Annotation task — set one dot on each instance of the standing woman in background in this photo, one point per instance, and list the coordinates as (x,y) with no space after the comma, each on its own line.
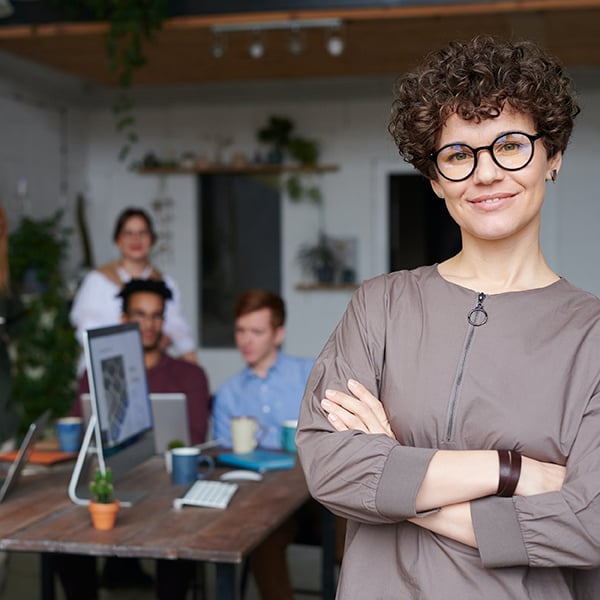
(97,304)
(453,416)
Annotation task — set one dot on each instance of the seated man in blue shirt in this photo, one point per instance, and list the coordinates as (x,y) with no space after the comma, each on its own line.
(270,389)
(271,385)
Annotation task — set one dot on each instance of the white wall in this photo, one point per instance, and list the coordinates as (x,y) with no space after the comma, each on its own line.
(349,118)
(352,132)
(43,144)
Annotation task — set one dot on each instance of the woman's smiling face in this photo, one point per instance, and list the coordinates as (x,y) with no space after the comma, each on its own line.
(494,203)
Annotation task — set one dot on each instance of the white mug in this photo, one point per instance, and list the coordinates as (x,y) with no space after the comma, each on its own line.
(246,434)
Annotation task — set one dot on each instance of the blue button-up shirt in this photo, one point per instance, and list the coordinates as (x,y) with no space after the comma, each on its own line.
(271,400)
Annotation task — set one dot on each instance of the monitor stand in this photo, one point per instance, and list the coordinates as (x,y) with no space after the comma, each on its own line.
(120,464)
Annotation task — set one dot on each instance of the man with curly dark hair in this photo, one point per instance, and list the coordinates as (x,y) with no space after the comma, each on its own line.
(453,415)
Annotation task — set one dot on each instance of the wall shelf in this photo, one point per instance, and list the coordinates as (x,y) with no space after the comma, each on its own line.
(264,169)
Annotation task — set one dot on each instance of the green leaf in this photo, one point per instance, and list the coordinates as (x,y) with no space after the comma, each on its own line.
(125,122)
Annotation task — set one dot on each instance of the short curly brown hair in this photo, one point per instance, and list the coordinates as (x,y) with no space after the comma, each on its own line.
(475,80)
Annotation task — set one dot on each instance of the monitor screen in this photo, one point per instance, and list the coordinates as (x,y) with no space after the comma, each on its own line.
(118,384)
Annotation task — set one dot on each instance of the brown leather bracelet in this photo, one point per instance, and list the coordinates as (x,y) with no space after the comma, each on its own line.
(508,484)
(504,459)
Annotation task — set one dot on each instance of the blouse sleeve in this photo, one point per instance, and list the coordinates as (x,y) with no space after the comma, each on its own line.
(554,529)
(365,477)
(175,326)
(95,305)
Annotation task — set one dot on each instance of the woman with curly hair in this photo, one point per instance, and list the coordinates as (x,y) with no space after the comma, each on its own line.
(453,415)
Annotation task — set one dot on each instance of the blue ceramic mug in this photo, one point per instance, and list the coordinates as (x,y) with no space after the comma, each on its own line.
(288,435)
(188,464)
(68,431)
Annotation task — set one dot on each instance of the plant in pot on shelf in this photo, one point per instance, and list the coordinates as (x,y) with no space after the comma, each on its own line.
(103,508)
(319,260)
(278,134)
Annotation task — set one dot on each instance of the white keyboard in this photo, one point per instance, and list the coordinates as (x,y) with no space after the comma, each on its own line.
(211,494)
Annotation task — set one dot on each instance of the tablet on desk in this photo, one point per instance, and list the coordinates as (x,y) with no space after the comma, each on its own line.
(22,454)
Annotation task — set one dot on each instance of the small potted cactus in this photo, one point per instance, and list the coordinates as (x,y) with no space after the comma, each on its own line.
(103,507)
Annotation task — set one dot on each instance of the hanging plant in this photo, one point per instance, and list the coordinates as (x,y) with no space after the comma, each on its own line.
(132,23)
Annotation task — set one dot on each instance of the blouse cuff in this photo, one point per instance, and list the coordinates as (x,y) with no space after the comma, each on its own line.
(400,481)
(498,533)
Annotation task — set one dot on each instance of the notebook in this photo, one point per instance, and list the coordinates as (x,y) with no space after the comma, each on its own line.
(169,412)
(259,460)
(26,445)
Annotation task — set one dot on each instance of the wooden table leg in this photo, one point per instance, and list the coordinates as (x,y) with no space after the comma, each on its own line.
(227,587)
(46,577)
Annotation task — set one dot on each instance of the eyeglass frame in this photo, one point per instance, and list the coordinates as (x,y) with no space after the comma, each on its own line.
(140,316)
(433,156)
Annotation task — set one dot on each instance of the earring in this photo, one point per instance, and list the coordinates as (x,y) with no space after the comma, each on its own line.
(553,175)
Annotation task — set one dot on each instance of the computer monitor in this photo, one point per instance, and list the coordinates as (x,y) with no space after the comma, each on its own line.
(120,399)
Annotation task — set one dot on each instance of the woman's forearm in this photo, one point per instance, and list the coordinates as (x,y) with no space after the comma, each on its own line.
(458,476)
(452,521)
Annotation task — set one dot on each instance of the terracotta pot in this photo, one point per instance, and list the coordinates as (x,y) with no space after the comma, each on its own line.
(104,515)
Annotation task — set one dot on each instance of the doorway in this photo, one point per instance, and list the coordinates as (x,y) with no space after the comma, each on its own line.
(421,231)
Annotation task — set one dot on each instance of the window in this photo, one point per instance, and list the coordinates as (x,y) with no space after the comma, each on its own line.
(240,248)
(421,230)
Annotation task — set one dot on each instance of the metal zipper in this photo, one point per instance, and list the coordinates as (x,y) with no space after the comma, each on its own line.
(476,318)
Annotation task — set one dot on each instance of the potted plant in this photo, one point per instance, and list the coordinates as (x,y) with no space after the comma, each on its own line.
(103,508)
(319,260)
(45,351)
(276,133)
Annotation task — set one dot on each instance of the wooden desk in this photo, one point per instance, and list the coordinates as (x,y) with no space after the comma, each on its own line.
(39,517)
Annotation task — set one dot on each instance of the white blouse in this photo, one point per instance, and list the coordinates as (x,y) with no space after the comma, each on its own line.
(96,304)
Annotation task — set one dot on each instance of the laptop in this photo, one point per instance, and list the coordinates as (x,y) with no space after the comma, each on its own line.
(169,412)
(18,463)
(170,419)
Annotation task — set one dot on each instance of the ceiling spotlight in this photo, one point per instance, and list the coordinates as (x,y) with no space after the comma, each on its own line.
(296,43)
(218,45)
(256,49)
(335,41)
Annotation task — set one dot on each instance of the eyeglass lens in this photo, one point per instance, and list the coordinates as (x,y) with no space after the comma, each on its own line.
(511,151)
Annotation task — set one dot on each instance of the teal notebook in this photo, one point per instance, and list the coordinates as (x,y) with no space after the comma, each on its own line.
(258,460)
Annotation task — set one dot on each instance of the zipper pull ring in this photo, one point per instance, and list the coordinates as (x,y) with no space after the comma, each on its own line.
(478,315)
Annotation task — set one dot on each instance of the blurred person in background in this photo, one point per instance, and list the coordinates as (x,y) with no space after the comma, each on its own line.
(97,304)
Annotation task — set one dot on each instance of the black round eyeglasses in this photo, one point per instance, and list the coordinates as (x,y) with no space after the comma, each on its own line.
(510,151)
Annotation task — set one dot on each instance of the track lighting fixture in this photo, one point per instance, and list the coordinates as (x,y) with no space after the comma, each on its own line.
(296,42)
(256,49)
(297,35)
(335,41)
(218,45)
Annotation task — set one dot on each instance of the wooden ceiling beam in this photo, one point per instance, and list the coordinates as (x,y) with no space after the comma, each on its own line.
(380,42)
(348,14)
